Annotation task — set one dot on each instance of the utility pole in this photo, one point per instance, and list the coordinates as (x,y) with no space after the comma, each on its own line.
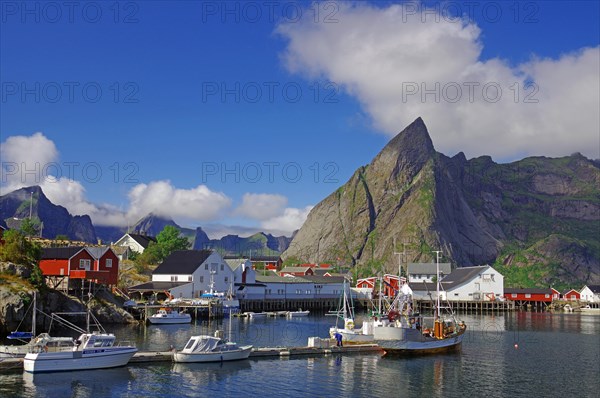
(401,255)
(30,204)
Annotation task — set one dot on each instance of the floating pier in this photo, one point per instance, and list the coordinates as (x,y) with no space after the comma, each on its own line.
(144,357)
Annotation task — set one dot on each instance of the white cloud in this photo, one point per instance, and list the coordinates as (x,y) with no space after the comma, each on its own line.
(162,198)
(379,54)
(261,206)
(291,220)
(28,160)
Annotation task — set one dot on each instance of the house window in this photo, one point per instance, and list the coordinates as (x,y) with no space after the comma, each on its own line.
(173,278)
(527,295)
(190,278)
(268,291)
(455,294)
(547,296)
(226,279)
(201,278)
(84,264)
(206,266)
(513,295)
(109,263)
(222,267)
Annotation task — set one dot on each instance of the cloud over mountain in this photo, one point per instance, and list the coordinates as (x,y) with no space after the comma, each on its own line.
(400,64)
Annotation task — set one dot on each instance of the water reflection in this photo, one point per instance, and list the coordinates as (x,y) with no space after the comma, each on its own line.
(81,384)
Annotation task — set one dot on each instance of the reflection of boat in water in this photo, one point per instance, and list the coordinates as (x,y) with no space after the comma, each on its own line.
(76,383)
(211,349)
(408,333)
(90,351)
(169,316)
(345,314)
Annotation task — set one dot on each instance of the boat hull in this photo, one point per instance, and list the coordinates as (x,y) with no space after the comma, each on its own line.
(77,360)
(217,356)
(413,342)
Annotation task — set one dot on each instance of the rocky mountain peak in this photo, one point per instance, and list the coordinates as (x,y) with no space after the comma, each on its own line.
(407,152)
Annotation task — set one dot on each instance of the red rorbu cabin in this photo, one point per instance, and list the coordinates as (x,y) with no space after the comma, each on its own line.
(64,264)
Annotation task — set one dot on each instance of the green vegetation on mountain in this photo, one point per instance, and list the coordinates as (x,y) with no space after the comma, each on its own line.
(537,219)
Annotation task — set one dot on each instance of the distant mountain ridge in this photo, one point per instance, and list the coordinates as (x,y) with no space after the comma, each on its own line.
(537,219)
(16,206)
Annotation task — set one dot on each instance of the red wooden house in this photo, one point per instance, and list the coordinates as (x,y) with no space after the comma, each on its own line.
(66,264)
(390,284)
(529,295)
(571,295)
(555,294)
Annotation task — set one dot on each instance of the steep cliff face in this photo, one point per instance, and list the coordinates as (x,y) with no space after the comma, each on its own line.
(475,211)
(18,205)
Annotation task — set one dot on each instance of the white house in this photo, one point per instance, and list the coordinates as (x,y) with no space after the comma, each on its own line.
(481,283)
(590,293)
(425,272)
(189,274)
(136,242)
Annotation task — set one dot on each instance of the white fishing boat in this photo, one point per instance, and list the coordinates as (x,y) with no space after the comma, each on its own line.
(211,349)
(590,310)
(404,332)
(90,351)
(348,332)
(169,316)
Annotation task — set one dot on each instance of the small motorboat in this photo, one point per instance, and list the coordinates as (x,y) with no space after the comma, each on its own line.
(89,351)
(169,316)
(205,348)
(299,313)
(256,315)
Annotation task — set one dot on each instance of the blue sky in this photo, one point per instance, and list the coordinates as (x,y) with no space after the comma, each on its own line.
(229,116)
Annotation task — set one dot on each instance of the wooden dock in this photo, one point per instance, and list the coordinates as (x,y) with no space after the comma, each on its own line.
(145,357)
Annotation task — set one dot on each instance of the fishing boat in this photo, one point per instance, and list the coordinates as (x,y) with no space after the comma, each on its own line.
(404,332)
(169,316)
(345,314)
(206,348)
(96,350)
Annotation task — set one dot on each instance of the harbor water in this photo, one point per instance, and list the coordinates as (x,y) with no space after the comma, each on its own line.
(518,354)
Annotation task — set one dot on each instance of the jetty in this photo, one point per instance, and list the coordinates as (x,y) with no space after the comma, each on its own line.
(146,357)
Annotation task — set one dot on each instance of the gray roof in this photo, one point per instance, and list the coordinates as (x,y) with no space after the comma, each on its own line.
(428,268)
(97,252)
(156,286)
(182,262)
(234,263)
(463,274)
(299,279)
(322,279)
(60,252)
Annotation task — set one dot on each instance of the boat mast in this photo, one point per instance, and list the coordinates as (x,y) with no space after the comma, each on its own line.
(34,320)
(437,270)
